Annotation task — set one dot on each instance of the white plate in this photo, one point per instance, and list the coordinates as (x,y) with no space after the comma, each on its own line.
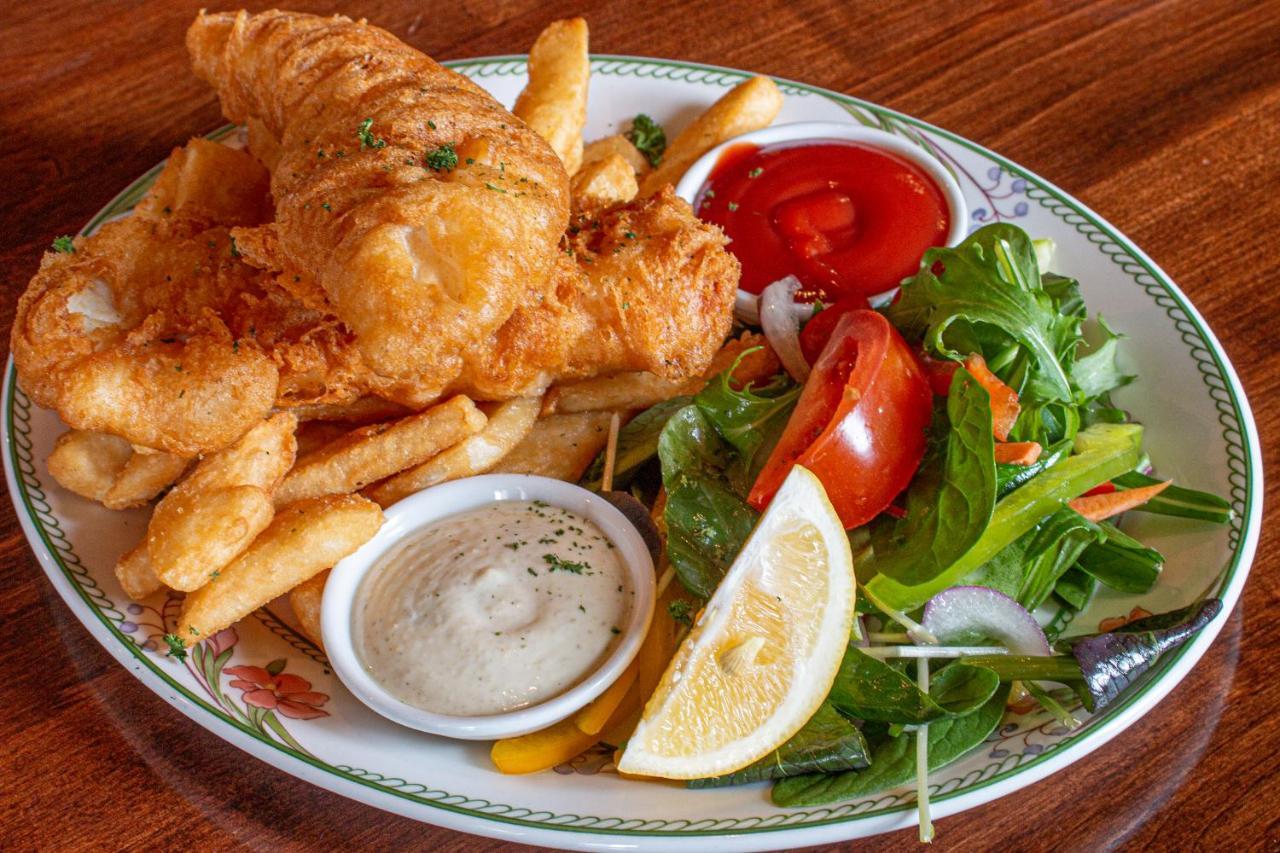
(1200,432)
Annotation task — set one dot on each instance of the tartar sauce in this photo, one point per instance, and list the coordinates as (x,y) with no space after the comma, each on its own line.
(492,609)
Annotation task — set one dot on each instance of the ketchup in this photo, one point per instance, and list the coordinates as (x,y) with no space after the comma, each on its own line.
(846,219)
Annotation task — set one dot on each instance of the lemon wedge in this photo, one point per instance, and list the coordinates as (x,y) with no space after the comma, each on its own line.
(765,650)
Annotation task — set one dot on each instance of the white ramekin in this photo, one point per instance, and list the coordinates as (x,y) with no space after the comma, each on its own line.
(691,185)
(448,499)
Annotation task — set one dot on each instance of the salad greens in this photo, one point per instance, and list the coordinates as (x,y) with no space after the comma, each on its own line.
(963,520)
(828,743)
(949,504)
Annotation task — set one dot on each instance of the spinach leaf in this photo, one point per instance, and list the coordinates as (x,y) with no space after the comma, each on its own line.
(989,281)
(870,689)
(707,519)
(950,501)
(828,743)
(1111,662)
(1103,451)
(1121,562)
(637,444)
(893,759)
(751,420)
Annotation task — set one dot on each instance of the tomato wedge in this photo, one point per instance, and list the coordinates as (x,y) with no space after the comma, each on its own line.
(859,423)
(816,332)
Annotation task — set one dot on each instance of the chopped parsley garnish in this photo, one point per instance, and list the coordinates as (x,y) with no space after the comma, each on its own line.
(326,206)
(648,137)
(365,134)
(64,245)
(614,629)
(733,205)
(755,173)
(490,186)
(679,611)
(235,250)
(630,235)
(177,648)
(443,159)
(559,564)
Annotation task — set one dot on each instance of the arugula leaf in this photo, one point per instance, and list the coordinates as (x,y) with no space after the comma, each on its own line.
(1103,451)
(893,759)
(637,444)
(870,689)
(990,282)
(828,743)
(950,501)
(707,519)
(751,420)
(1097,373)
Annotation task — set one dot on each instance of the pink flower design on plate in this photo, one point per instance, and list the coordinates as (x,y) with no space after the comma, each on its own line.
(272,689)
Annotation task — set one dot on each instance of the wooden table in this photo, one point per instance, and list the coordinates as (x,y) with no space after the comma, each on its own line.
(1164,116)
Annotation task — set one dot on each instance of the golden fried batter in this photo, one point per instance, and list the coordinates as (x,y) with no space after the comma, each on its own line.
(423,210)
(125,335)
(454,274)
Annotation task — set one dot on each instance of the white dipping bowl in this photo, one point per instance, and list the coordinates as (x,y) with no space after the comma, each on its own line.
(692,184)
(440,502)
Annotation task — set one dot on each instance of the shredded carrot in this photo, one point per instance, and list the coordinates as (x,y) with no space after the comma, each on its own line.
(1004,400)
(1104,506)
(1018,452)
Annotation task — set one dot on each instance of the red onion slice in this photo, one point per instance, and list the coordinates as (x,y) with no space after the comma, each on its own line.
(965,611)
(780,318)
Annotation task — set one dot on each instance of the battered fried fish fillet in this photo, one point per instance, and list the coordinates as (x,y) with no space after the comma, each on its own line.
(421,208)
(641,287)
(125,334)
(432,222)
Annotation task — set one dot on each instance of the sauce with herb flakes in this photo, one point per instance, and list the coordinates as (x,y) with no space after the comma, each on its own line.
(492,609)
(847,219)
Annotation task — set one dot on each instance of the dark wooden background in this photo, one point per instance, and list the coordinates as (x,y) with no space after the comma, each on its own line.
(1164,116)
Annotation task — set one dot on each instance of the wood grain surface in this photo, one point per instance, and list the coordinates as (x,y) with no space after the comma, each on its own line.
(1164,116)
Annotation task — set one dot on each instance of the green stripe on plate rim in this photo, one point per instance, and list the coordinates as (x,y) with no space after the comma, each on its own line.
(1121,251)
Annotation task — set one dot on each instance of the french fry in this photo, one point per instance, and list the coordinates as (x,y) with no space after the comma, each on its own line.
(749,106)
(371,453)
(144,476)
(87,463)
(303,540)
(619,391)
(604,183)
(137,578)
(559,446)
(305,599)
(554,102)
(616,144)
(200,532)
(261,458)
(213,515)
(641,390)
(508,425)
